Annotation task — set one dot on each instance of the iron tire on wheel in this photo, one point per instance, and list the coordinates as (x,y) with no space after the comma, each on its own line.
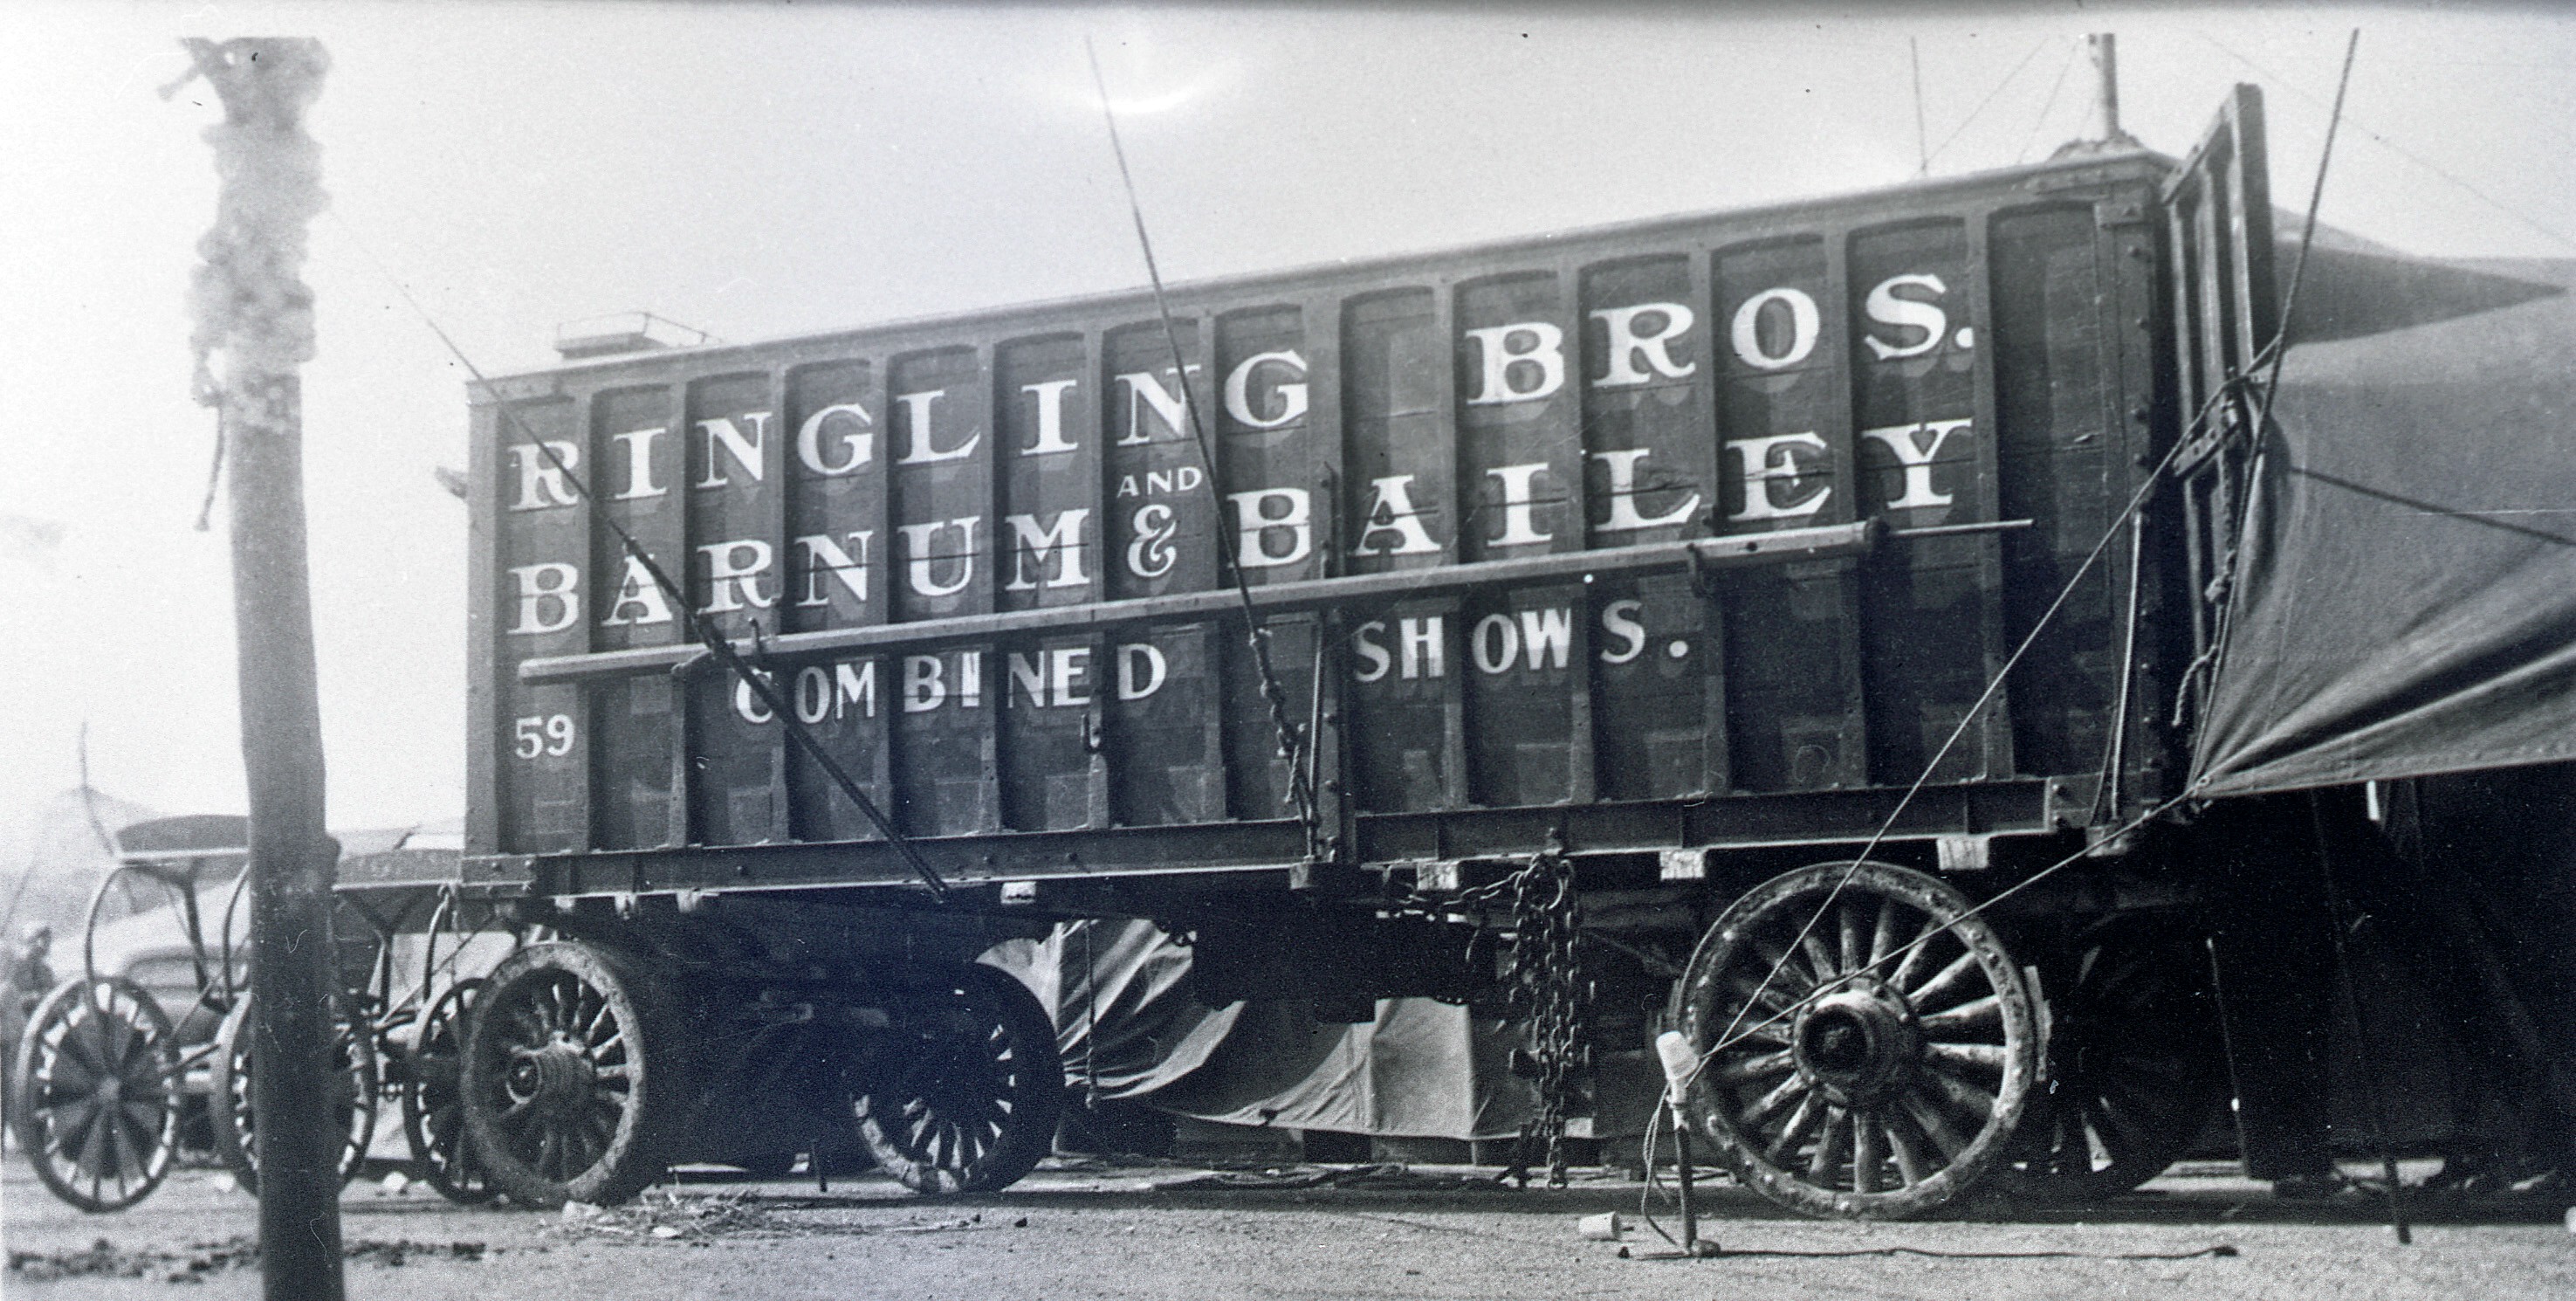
(573,1076)
(963,1093)
(353,1101)
(433,1101)
(93,1090)
(1884,1069)
(2135,1065)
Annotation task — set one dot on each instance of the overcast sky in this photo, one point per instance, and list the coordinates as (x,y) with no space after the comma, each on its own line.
(757,170)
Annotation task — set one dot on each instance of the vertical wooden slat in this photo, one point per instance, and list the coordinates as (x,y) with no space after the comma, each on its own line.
(2250,188)
(2180,278)
(1851,766)
(1994,726)
(1320,316)
(486,657)
(1717,761)
(773,525)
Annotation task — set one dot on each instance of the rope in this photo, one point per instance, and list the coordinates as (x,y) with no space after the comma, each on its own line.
(2269,360)
(1981,104)
(2396,148)
(2271,354)
(1291,745)
(2074,50)
(703,631)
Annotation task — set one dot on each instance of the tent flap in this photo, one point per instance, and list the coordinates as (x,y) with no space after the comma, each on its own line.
(1128,1027)
(2405,601)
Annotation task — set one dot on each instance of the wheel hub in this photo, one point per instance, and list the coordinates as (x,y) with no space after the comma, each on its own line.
(556,1078)
(1856,1042)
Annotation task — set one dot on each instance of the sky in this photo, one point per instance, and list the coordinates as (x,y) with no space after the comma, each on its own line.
(763,170)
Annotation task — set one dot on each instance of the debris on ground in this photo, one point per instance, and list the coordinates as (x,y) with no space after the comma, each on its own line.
(104,1259)
(666,1214)
(1384,1177)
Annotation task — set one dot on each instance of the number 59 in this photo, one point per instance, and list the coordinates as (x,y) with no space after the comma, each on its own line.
(544,734)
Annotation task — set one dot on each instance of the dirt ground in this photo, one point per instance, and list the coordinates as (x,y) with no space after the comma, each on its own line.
(1173,1234)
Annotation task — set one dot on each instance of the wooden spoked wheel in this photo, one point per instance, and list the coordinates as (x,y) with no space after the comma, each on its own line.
(2135,1061)
(962,1093)
(433,1099)
(573,1076)
(1867,1044)
(354,1077)
(94,1090)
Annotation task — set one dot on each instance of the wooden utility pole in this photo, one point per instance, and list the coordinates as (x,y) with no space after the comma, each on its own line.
(253,309)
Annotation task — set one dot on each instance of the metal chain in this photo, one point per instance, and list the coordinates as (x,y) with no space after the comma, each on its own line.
(1292,738)
(1545,977)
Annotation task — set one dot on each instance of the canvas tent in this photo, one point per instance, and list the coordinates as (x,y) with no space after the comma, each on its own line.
(2405,601)
(2405,605)
(1128,1028)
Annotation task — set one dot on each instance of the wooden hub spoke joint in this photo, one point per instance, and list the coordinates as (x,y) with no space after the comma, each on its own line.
(351,1093)
(94,1093)
(433,1098)
(1867,1046)
(962,1093)
(2135,1065)
(573,1076)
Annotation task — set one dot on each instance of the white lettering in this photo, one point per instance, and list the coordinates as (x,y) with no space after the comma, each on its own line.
(636,587)
(1065,667)
(813,694)
(1255,522)
(1421,641)
(733,575)
(1063,538)
(639,464)
(1804,324)
(747,702)
(1391,511)
(857,447)
(1545,353)
(924,683)
(1050,396)
(538,584)
(540,477)
(746,452)
(1378,660)
(1140,671)
(1624,518)
(1180,478)
(824,556)
(1884,307)
(855,684)
(1627,344)
(1292,396)
(1496,644)
(1028,675)
(1520,529)
(1775,458)
(918,555)
(970,679)
(1619,619)
(1151,554)
(1144,391)
(1917,458)
(920,447)
(1549,634)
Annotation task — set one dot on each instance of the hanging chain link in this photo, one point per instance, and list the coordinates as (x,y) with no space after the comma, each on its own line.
(1542,978)
(1544,974)
(1293,741)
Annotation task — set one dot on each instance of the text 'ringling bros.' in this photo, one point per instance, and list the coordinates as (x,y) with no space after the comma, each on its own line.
(1145,514)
